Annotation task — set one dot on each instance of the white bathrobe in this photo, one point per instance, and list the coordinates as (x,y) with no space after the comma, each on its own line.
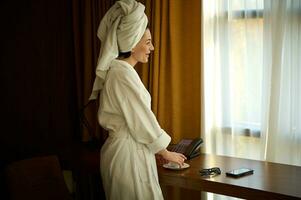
(128,165)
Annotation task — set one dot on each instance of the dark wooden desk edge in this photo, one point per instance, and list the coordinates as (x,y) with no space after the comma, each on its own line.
(218,187)
(221,188)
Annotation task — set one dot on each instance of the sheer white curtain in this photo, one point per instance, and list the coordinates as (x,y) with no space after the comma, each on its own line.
(282,81)
(233,53)
(252,78)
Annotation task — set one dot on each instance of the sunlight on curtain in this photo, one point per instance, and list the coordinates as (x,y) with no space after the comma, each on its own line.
(252,73)
(252,84)
(282,30)
(233,38)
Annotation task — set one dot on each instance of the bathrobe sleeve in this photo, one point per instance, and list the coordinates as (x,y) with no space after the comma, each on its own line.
(141,121)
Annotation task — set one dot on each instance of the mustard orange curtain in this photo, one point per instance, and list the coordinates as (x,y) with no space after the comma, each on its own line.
(173,75)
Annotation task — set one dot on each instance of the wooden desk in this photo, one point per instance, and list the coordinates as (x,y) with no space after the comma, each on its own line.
(269,181)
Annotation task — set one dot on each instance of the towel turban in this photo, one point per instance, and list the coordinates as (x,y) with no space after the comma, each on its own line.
(120,30)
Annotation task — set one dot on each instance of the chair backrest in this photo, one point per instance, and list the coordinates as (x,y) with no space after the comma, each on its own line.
(38,178)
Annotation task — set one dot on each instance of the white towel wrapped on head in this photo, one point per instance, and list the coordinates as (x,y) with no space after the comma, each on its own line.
(120,30)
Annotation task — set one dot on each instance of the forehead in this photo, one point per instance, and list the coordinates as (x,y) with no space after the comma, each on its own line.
(147,35)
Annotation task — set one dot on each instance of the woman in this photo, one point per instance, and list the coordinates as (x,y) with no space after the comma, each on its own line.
(128,165)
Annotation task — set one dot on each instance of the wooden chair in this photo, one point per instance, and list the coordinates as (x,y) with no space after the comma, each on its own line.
(38,178)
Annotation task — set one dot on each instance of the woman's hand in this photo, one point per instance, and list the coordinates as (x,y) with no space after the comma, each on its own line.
(173,156)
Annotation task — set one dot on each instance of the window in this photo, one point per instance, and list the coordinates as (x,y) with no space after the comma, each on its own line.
(233,63)
(251,69)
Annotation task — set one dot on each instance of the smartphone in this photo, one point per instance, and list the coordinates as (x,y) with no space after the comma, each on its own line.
(236,173)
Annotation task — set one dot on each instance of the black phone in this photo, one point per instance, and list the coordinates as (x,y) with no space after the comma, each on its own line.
(189,147)
(236,173)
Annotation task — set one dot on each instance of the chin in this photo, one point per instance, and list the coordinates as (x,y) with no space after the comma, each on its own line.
(144,61)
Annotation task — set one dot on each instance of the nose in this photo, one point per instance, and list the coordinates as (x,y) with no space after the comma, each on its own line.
(152,47)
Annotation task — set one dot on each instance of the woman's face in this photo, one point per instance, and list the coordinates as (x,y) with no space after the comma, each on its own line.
(144,47)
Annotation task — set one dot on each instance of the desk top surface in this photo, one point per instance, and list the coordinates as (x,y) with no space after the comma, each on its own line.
(272,178)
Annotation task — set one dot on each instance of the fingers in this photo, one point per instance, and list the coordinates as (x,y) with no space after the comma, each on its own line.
(183,156)
(175,157)
(181,159)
